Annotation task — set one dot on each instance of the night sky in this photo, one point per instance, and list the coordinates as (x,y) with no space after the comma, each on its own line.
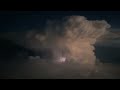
(18,49)
(23,20)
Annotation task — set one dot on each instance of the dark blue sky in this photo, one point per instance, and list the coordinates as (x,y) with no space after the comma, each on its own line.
(17,21)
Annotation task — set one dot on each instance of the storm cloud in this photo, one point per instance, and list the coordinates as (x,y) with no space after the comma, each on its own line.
(62,46)
(70,39)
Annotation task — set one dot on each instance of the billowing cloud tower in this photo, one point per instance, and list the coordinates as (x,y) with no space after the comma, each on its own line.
(70,39)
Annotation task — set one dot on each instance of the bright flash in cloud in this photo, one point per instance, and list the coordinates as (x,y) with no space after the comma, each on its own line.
(72,37)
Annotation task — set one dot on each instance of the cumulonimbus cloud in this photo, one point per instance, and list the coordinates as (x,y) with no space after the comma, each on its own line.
(72,37)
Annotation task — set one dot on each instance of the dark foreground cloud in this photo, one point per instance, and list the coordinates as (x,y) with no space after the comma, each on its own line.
(37,69)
